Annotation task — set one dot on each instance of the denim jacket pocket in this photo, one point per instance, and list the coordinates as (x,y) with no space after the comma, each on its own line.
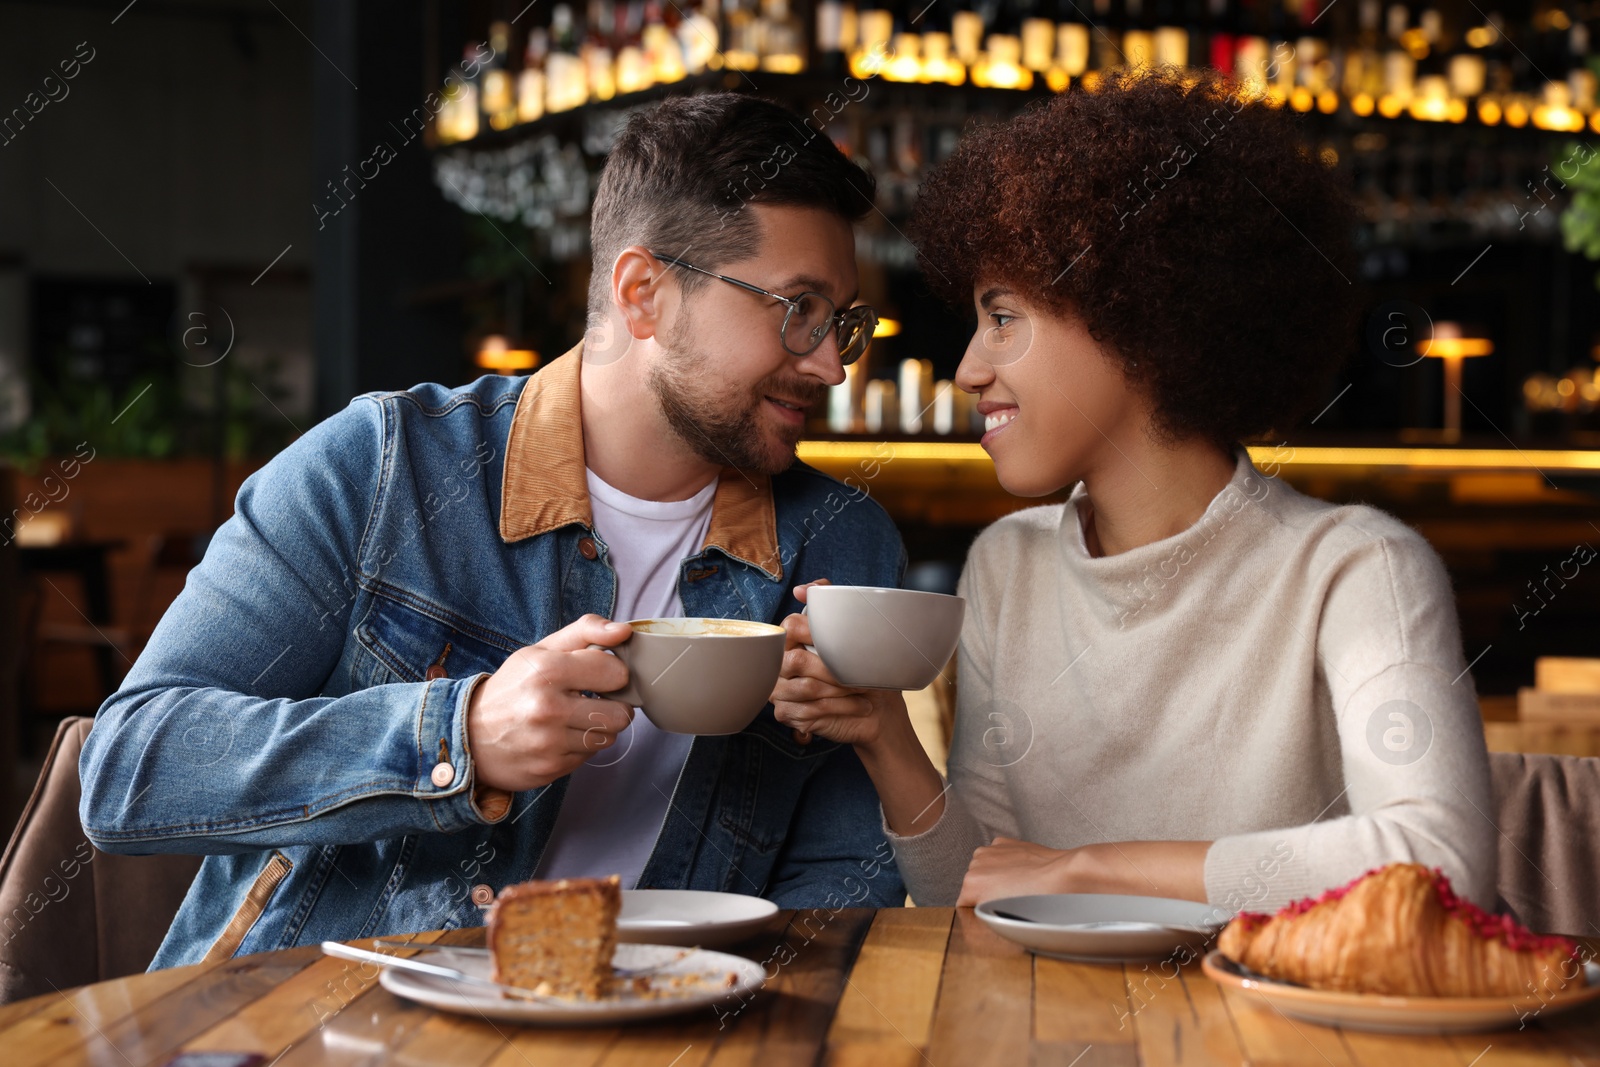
(414,640)
(251,908)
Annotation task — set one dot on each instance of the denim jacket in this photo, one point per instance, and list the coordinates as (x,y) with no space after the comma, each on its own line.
(299,715)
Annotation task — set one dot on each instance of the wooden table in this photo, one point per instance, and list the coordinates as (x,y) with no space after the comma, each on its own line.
(901,987)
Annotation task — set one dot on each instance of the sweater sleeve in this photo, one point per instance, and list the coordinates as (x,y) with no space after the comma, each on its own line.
(1410,735)
(990,734)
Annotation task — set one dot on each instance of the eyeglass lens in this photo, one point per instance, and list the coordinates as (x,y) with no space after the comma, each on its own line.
(810,321)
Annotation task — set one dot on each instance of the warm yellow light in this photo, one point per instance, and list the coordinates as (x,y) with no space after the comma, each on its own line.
(1594,121)
(494,354)
(1557,118)
(1488,112)
(1361,104)
(1456,347)
(1329,156)
(1516,114)
(1327,101)
(1390,106)
(906,66)
(886,328)
(1566,387)
(1429,108)
(1265,456)
(1001,67)
(1456,110)
(1301,99)
(1058,80)
(1415,42)
(1480,37)
(1559,20)
(937,63)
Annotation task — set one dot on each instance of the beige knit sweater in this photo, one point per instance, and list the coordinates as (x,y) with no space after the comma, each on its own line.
(1284,679)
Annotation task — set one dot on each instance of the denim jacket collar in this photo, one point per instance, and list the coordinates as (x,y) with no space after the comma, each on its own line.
(544,487)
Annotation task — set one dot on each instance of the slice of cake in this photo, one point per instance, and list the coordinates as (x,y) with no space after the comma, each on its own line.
(556,938)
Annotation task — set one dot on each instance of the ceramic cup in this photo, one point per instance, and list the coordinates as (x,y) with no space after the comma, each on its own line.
(873,638)
(700,676)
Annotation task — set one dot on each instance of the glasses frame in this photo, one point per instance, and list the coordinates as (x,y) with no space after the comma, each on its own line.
(836,320)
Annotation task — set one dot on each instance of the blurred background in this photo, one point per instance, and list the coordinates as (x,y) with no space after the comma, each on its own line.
(221,219)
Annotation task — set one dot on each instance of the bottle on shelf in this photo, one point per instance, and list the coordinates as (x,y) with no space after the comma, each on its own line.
(1222,26)
(742,36)
(497,98)
(939,62)
(1138,36)
(458,114)
(700,39)
(1252,48)
(566,83)
(1171,45)
(782,38)
(1001,64)
(874,30)
(599,58)
(1399,65)
(1038,37)
(1072,46)
(1105,35)
(633,72)
(828,44)
(530,80)
(662,53)
(905,46)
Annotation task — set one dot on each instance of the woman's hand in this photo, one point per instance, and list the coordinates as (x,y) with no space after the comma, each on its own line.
(1012,868)
(812,701)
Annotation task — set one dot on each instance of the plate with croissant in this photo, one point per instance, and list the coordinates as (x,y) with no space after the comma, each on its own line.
(1398,951)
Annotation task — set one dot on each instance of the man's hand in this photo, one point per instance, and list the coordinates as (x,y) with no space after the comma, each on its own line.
(529,724)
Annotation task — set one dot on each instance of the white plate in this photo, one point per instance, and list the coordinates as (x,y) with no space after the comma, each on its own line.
(1400,1015)
(690,917)
(1103,927)
(468,999)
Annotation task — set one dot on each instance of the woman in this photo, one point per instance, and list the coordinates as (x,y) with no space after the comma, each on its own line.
(1190,680)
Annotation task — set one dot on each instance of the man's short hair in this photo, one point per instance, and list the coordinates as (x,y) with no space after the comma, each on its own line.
(681,174)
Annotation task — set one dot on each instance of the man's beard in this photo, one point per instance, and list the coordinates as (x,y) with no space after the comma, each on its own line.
(727,428)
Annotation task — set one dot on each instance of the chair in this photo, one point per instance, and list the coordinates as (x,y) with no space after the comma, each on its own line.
(1547,809)
(69,913)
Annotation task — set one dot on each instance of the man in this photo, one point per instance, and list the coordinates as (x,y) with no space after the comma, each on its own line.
(373,704)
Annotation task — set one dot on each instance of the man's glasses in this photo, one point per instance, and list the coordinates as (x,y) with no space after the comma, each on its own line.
(809,318)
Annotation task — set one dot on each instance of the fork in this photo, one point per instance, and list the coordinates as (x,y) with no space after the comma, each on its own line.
(620,972)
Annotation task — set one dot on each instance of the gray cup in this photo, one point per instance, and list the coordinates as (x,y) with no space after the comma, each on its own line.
(876,638)
(700,676)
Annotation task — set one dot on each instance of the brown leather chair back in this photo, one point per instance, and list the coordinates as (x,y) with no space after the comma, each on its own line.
(1548,815)
(69,913)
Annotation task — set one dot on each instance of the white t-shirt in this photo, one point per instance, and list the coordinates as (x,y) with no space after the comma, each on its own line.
(617,801)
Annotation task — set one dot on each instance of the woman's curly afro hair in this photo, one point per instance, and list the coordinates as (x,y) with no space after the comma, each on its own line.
(1190,229)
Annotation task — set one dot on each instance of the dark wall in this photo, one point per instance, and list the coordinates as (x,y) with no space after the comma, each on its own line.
(384,236)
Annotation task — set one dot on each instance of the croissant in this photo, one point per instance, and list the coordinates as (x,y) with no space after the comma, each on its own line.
(1401,930)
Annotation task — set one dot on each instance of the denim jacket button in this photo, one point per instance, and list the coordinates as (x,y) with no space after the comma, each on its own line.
(443,775)
(587,549)
(482,895)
